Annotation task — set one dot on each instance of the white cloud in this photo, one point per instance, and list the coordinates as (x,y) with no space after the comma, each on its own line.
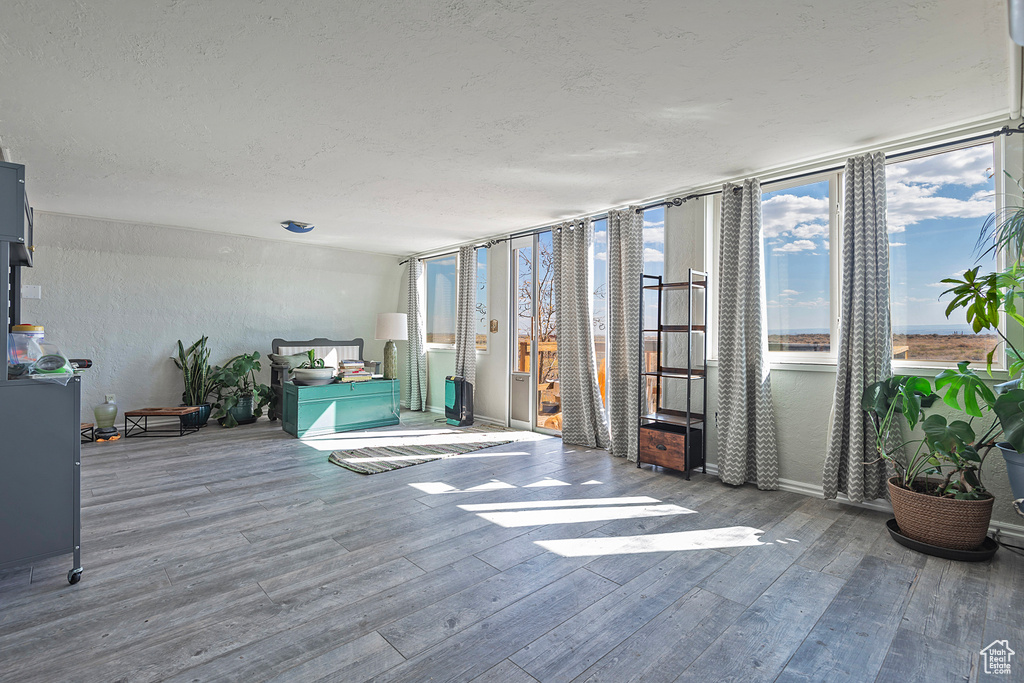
(970,166)
(897,244)
(785,213)
(808,230)
(817,303)
(601,256)
(654,234)
(790,292)
(798,245)
(653,256)
(910,204)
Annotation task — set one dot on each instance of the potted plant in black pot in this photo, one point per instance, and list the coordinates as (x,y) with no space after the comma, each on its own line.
(194,363)
(240,398)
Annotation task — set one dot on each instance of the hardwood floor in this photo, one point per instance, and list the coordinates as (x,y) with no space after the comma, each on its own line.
(244,555)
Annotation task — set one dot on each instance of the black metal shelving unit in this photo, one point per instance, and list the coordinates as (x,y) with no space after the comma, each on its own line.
(669,437)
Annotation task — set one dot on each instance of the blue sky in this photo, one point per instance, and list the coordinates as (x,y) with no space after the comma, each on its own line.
(936,206)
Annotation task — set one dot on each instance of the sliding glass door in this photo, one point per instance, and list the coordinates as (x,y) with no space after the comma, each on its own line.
(535,396)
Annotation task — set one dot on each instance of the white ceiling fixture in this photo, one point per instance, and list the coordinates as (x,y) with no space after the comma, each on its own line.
(407,126)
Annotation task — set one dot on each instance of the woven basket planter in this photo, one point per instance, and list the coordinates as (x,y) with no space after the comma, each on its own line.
(943,522)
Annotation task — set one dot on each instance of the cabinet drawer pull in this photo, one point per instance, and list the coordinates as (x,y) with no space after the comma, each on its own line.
(660,447)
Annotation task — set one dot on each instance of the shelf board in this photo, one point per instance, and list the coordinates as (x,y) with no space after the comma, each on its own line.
(678,328)
(677,285)
(677,373)
(675,417)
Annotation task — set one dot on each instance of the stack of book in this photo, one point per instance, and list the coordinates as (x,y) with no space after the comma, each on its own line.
(353,371)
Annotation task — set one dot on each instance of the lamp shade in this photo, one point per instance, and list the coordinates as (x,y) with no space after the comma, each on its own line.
(391,326)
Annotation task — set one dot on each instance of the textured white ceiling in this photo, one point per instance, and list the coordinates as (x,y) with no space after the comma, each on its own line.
(400,126)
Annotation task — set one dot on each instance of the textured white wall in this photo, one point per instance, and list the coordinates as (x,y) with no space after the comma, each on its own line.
(122,294)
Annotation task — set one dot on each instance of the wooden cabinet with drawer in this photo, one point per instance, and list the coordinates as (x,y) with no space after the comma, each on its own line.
(666,446)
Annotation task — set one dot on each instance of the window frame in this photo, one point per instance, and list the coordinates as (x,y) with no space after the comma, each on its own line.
(438,346)
(821,361)
(835,245)
(486,297)
(901,366)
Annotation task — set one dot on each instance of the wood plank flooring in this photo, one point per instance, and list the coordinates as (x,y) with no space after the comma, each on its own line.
(244,555)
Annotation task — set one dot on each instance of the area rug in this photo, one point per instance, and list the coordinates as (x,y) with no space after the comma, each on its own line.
(416,450)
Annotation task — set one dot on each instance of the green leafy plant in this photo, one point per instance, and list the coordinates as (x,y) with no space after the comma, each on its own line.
(194,363)
(313,361)
(947,461)
(237,380)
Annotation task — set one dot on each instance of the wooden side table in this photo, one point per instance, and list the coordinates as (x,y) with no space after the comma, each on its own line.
(136,422)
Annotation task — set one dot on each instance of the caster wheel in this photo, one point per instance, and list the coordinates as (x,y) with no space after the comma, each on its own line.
(74,576)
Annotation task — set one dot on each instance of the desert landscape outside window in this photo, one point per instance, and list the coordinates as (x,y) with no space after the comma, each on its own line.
(936,206)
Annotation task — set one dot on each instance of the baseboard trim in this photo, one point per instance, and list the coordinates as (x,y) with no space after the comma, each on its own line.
(1015,531)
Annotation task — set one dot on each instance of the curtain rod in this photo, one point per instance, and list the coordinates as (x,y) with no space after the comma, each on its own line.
(679,201)
(487,245)
(1005,130)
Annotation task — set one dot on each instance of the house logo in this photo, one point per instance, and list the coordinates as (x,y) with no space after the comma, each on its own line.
(997,657)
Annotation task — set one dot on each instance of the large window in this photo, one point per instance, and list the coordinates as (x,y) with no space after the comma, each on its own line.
(936,205)
(797,230)
(441,276)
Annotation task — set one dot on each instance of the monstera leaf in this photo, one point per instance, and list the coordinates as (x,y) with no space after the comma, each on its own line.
(964,380)
(908,394)
(947,438)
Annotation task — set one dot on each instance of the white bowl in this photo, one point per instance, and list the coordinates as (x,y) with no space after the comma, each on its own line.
(307,374)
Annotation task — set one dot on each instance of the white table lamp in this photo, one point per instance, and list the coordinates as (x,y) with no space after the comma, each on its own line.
(391,326)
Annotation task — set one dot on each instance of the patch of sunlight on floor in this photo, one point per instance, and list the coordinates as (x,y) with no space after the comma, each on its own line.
(436,487)
(703,539)
(592,482)
(547,481)
(578,515)
(569,502)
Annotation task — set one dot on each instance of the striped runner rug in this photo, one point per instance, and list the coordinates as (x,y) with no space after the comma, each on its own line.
(415,451)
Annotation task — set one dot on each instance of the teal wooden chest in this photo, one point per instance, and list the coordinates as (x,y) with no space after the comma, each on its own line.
(314,411)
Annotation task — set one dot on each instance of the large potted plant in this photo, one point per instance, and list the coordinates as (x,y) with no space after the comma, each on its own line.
(240,398)
(937,494)
(194,363)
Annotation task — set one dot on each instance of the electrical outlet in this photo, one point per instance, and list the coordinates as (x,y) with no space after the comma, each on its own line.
(109,398)
(31,292)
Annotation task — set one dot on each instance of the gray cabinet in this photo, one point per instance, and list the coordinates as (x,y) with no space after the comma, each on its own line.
(40,493)
(40,439)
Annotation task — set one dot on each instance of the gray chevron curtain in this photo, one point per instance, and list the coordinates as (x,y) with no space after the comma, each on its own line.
(416,367)
(622,376)
(865,333)
(746,421)
(465,321)
(583,418)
